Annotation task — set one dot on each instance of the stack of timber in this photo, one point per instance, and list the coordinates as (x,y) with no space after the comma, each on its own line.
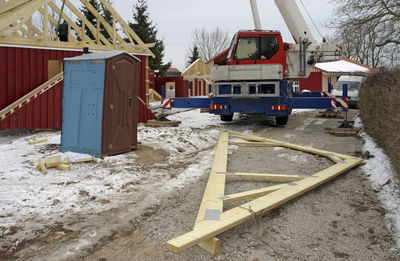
(56,162)
(156,124)
(343,131)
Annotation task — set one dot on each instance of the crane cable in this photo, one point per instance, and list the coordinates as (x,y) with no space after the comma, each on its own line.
(316,27)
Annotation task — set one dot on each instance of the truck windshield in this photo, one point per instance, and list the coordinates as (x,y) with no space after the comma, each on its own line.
(351,86)
(256,48)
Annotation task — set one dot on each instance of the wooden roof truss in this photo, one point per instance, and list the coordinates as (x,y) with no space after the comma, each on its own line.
(213,220)
(18,27)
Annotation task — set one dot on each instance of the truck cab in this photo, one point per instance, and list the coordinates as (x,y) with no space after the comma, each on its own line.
(257,47)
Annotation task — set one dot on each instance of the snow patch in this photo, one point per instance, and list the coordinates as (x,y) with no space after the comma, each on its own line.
(383,179)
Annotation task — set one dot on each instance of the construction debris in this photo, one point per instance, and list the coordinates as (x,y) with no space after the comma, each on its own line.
(343,131)
(52,161)
(32,142)
(42,167)
(330,114)
(84,160)
(167,123)
(213,220)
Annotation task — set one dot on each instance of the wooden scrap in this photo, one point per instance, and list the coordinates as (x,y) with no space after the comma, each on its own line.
(64,167)
(204,110)
(65,160)
(43,168)
(84,160)
(52,161)
(155,124)
(32,142)
(343,131)
(330,114)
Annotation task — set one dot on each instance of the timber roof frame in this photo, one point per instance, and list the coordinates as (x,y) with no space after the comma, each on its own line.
(17,27)
(212,220)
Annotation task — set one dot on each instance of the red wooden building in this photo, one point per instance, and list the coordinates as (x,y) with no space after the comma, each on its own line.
(22,69)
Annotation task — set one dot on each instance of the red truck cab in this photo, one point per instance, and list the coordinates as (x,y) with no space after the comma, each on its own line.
(257,47)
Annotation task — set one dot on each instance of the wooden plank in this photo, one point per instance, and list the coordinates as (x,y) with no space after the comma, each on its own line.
(84,160)
(43,168)
(64,166)
(274,177)
(285,144)
(254,144)
(32,142)
(52,161)
(247,211)
(214,190)
(252,193)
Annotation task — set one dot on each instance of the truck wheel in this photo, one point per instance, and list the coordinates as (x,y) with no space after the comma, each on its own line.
(281,120)
(227,117)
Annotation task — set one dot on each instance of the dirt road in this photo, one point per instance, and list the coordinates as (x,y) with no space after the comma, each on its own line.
(341,220)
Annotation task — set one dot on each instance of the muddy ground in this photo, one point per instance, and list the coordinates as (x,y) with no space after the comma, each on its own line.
(340,220)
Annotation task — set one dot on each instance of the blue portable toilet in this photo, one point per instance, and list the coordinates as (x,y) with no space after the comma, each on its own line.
(99,114)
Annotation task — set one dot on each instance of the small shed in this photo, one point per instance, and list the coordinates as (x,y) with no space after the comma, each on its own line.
(99,103)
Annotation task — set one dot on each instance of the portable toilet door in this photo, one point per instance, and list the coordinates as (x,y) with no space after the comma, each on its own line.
(120,104)
(99,103)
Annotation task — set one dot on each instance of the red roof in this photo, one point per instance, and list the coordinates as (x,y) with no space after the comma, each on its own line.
(173,70)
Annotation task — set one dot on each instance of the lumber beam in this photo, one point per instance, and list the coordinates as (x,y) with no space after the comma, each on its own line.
(211,206)
(251,193)
(273,177)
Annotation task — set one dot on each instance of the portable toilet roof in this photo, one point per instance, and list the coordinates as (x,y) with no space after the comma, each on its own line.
(98,56)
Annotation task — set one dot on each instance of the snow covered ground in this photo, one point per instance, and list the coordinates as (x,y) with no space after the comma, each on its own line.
(383,180)
(31,201)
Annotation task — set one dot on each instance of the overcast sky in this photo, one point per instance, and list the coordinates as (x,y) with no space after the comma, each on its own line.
(177,19)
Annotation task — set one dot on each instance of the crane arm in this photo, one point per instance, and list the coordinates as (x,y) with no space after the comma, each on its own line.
(294,20)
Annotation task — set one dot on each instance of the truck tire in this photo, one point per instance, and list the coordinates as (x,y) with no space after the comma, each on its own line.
(281,120)
(228,117)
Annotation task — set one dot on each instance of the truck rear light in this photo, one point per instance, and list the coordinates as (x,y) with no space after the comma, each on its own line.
(279,108)
(216,107)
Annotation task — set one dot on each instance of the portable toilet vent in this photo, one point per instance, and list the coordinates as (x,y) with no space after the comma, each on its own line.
(99,115)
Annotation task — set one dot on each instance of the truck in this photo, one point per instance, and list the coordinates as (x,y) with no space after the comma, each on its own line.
(259,68)
(353,87)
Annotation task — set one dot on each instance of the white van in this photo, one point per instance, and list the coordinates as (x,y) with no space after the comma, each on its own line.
(353,87)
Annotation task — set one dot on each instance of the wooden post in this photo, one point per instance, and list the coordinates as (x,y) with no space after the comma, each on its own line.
(114,33)
(98,29)
(46,19)
(147,71)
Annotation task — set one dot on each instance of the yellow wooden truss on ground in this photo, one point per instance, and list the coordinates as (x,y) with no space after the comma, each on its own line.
(212,220)
(19,26)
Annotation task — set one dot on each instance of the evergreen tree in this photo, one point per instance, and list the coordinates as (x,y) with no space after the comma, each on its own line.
(89,17)
(144,28)
(194,55)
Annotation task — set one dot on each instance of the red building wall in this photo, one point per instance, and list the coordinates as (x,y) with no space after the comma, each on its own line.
(313,83)
(24,69)
(21,71)
(181,85)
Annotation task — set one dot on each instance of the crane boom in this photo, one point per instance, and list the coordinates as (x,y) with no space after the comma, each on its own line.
(256,16)
(294,20)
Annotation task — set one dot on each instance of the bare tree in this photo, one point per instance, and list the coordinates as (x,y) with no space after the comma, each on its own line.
(210,43)
(369,30)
